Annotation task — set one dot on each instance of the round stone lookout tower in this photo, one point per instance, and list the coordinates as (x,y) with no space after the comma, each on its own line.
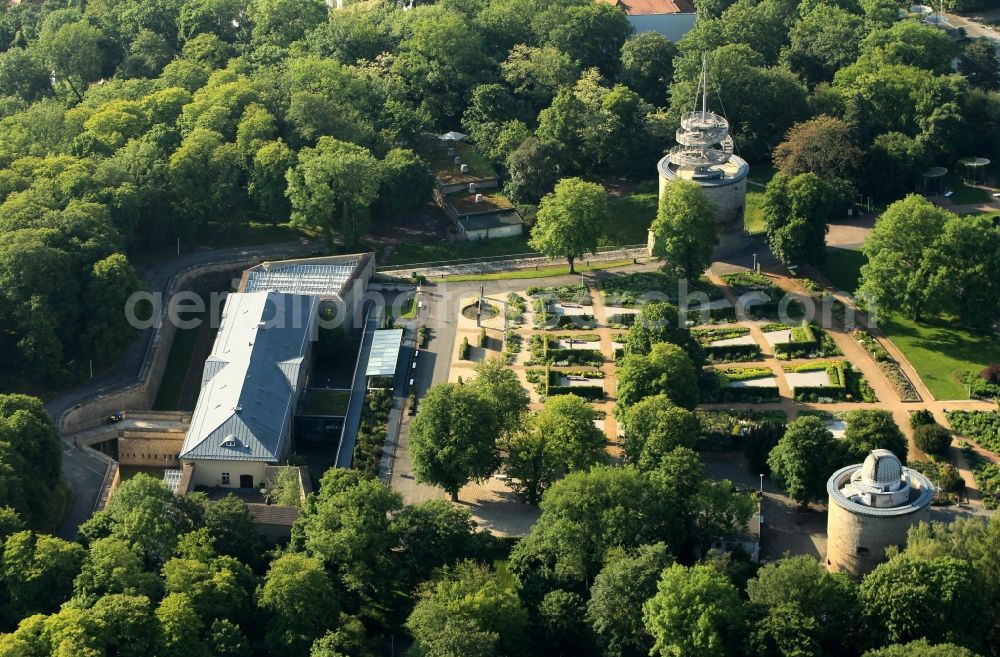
(872,505)
(704,155)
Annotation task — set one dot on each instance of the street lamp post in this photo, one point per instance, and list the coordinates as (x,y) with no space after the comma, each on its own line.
(762,483)
(755,262)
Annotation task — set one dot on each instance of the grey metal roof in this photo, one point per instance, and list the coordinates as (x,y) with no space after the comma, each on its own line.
(301,279)
(384,353)
(250,379)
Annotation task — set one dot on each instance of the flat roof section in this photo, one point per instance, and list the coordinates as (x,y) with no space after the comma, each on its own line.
(385,352)
(301,279)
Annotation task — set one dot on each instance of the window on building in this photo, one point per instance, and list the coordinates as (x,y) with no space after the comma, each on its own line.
(225,477)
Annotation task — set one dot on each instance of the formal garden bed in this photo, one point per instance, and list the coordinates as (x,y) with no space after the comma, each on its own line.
(806,341)
(578,294)
(980,388)
(754,385)
(516,307)
(981,427)
(890,368)
(944,476)
(843,383)
(548,317)
(987,477)
(544,349)
(629,290)
(734,347)
(769,304)
(583,383)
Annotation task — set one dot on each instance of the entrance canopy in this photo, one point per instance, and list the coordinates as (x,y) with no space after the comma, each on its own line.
(384,355)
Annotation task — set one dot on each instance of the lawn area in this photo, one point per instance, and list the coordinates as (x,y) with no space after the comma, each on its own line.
(753,219)
(543,272)
(761,174)
(940,352)
(962,193)
(631,217)
(843,268)
(408,254)
(169,395)
(937,349)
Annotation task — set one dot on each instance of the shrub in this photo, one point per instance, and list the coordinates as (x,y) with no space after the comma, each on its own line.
(932,438)
(482,339)
(949,480)
(991,374)
(463,351)
(920,418)
(733,353)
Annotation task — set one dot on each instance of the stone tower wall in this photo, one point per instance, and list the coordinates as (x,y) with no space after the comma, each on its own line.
(856,542)
(730,201)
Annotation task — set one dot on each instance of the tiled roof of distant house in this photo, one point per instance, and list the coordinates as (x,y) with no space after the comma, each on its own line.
(653,7)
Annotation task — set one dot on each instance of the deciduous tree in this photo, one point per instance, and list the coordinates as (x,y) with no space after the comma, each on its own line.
(625,582)
(685,229)
(570,219)
(654,426)
(695,611)
(332,187)
(560,438)
(453,438)
(804,459)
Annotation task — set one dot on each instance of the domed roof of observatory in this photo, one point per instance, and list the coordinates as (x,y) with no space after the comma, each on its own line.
(882,467)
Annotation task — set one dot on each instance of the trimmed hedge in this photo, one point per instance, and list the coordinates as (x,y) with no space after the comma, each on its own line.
(749,394)
(590,393)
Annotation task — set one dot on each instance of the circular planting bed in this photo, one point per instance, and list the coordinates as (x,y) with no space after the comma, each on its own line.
(489,311)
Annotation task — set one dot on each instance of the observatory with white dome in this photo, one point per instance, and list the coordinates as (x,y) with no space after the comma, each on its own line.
(704,155)
(872,506)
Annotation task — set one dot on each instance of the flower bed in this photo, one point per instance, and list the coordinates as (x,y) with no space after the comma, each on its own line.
(371,433)
(889,367)
(748,280)
(578,293)
(987,477)
(980,388)
(626,291)
(982,427)
(621,320)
